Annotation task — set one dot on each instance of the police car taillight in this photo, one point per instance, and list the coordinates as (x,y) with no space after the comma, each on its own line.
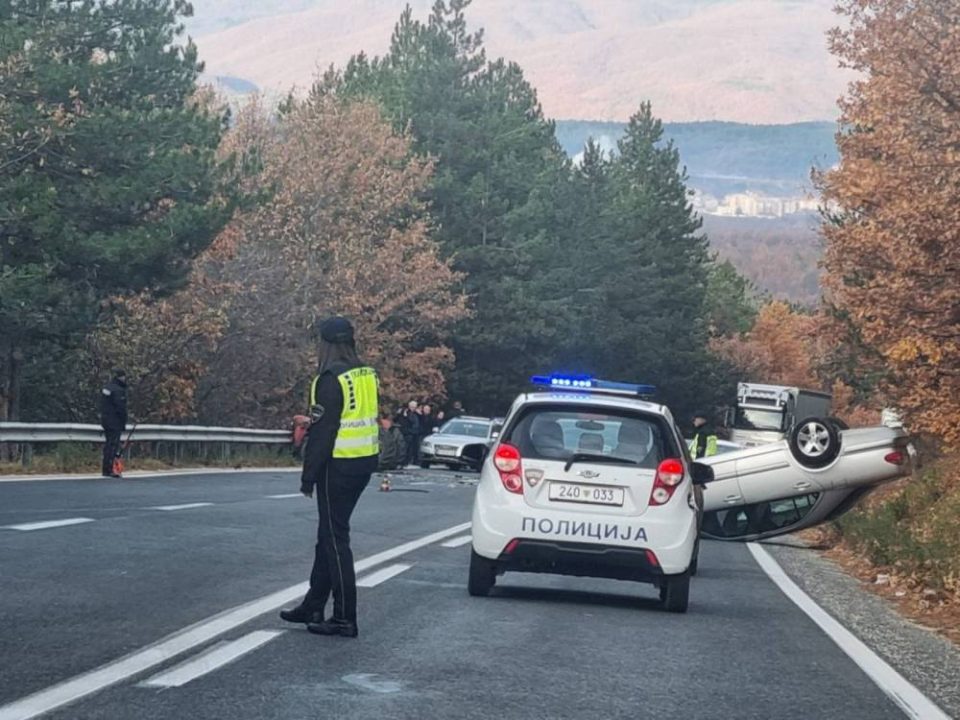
(507,461)
(669,476)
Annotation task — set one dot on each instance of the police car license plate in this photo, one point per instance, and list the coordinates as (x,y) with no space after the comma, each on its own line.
(592,494)
(446,450)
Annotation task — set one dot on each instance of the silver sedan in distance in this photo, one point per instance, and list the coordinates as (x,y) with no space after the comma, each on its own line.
(459,443)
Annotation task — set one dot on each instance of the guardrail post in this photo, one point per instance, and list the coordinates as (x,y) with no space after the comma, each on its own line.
(26,454)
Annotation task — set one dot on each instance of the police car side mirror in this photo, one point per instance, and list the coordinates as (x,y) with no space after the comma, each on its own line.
(701,474)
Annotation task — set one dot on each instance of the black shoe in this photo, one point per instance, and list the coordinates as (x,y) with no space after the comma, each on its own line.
(302,614)
(343,628)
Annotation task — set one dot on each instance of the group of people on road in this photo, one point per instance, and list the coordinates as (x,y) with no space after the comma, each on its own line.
(415,421)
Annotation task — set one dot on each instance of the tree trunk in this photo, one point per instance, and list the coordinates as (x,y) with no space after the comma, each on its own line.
(11,362)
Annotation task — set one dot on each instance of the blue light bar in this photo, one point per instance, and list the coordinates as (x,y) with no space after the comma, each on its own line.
(588,384)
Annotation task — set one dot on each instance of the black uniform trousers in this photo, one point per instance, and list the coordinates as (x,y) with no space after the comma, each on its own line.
(111,448)
(333,573)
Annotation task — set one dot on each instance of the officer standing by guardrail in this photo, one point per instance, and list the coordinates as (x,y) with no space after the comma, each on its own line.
(341,455)
(113,418)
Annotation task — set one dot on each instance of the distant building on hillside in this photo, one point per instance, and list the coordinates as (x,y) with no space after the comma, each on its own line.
(753,204)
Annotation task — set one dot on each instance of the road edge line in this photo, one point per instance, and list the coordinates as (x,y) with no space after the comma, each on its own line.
(116,671)
(901,691)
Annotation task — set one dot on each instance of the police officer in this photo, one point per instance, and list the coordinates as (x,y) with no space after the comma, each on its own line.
(340,456)
(113,418)
(704,443)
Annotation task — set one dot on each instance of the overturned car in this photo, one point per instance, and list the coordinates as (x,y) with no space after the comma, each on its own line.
(816,474)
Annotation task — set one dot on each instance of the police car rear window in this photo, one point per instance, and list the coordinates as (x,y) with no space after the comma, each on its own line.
(557,432)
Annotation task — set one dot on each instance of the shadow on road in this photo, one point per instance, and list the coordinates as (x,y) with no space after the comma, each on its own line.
(574,597)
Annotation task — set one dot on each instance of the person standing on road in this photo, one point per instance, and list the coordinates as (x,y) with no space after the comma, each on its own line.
(456,411)
(341,455)
(410,425)
(704,443)
(113,418)
(429,420)
(393,449)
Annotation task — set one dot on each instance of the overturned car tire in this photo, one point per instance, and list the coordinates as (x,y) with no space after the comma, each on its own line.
(814,442)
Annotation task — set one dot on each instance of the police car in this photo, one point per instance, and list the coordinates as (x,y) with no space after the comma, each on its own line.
(588,478)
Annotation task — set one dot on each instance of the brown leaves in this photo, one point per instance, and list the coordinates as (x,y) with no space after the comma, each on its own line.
(894,262)
(164,345)
(779,348)
(343,232)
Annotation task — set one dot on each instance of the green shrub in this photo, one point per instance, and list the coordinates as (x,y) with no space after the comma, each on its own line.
(915,528)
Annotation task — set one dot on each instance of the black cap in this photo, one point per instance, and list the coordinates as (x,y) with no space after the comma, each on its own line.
(119,373)
(336,330)
(701,414)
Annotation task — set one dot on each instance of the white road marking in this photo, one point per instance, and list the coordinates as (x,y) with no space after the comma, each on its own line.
(913,702)
(213,659)
(285,496)
(180,642)
(382,575)
(187,506)
(457,541)
(47,524)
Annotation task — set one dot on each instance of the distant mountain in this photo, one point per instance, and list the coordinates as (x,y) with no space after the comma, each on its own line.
(756,61)
(723,157)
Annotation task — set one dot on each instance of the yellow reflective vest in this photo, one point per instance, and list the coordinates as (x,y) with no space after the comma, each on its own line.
(358,436)
(710,449)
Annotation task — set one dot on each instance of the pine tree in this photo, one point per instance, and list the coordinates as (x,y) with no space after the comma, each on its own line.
(497,165)
(649,263)
(110,180)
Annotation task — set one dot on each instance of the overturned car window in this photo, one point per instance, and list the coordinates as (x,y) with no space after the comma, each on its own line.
(558,433)
(758,518)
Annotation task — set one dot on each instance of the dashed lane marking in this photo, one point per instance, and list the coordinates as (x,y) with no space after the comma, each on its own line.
(457,541)
(382,575)
(213,659)
(44,525)
(186,506)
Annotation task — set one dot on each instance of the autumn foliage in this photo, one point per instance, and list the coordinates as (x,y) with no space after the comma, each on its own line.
(778,349)
(339,229)
(893,250)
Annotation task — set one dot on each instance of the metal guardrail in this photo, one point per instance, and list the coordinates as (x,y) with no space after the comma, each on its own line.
(17,432)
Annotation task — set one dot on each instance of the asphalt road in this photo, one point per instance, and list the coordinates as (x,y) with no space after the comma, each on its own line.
(168,593)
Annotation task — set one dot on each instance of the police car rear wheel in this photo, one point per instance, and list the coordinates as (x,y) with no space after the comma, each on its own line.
(675,592)
(483,575)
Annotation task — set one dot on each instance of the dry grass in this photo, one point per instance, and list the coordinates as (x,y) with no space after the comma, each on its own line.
(904,542)
(85,459)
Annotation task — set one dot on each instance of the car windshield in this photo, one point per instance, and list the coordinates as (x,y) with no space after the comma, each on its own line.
(469,428)
(608,435)
(754,419)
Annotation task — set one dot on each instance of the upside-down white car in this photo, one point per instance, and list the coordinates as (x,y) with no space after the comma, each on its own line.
(587,478)
(816,474)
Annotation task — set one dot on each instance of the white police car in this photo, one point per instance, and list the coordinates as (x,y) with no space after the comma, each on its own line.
(587,478)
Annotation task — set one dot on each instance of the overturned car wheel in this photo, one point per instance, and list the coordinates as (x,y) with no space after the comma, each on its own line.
(814,442)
